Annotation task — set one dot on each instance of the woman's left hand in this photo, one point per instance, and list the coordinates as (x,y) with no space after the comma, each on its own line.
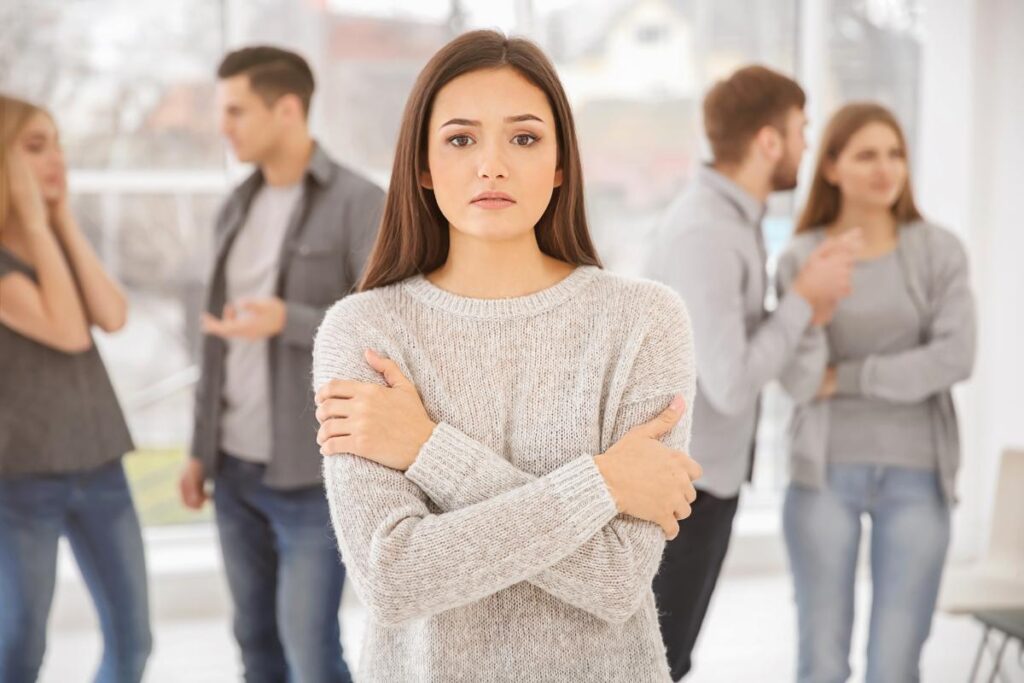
(60,214)
(388,424)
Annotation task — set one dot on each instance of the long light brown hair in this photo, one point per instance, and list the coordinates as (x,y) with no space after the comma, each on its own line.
(413,236)
(824,200)
(14,114)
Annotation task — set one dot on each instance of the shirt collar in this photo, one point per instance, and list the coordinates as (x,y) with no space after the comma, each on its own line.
(748,206)
(319,169)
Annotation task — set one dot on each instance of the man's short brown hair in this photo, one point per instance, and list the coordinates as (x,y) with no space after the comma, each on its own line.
(272,72)
(736,108)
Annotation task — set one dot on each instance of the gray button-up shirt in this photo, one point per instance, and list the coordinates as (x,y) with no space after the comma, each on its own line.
(325,248)
(711,251)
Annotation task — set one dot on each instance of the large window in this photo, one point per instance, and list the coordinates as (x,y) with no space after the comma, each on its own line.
(131,85)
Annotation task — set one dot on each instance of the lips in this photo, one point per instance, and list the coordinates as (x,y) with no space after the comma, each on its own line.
(493,200)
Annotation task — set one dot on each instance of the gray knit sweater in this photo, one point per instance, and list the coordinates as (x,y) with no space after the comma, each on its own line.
(498,555)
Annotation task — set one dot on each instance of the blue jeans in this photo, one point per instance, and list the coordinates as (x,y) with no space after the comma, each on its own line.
(909,537)
(284,574)
(94,509)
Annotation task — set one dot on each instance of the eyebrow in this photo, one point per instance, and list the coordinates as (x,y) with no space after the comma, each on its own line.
(508,119)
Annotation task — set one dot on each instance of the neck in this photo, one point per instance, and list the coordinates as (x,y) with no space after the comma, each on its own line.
(287,163)
(877,224)
(754,181)
(487,269)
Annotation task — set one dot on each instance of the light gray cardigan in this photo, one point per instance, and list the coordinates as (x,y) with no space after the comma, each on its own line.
(935,266)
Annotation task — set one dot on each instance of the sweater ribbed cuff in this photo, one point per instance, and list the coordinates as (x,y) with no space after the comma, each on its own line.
(585,496)
(848,374)
(443,463)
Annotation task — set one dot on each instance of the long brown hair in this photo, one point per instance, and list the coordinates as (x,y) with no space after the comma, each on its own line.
(413,236)
(14,114)
(824,200)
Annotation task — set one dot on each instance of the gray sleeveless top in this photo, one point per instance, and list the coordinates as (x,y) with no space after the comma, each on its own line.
(58,411)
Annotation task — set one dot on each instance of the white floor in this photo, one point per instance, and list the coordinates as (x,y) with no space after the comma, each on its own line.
(749,636)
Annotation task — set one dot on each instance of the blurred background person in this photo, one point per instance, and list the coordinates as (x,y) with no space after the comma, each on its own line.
(711,251)
(62,432)
(875,432)
(291,240)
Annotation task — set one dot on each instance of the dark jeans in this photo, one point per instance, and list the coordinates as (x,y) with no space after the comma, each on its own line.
(285,577)
(94,509)
(688,574)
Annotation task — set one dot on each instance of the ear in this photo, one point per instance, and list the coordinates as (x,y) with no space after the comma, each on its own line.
(558,178)
(769,140)
(426,181)
(828,172)
(290,106)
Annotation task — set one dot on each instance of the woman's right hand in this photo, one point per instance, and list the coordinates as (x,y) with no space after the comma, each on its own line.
(647,479)
(26,195)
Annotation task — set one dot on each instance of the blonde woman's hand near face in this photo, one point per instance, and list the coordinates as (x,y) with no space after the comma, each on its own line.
(649,480)
(26,195)
(386,424)
(59,211)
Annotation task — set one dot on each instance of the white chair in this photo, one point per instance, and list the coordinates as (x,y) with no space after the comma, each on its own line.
(996,581)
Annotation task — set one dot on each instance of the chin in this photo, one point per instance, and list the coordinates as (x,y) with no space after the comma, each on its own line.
(877,202)
(884,201)
(495,232)
(784,183)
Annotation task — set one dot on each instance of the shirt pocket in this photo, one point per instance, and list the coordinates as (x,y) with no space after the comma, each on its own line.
(317,274)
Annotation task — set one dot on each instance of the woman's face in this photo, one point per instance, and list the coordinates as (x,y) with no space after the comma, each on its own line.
(40,148)
(871,170)
(492,154)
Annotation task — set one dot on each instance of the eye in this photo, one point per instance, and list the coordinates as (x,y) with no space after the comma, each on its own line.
(524,139)
(460,141)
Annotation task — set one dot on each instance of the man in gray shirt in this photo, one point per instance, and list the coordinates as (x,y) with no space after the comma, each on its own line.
(291,240)
(711,250)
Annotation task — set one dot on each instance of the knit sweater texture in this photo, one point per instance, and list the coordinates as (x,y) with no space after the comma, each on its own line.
(499,555)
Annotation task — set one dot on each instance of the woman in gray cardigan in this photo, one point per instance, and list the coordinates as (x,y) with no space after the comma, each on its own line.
(874,431)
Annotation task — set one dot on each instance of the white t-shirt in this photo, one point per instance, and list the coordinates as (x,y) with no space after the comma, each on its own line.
(251,272)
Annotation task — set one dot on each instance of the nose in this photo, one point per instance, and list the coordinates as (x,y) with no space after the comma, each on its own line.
(491,164)
(224,124)
(888,170)
(55,158)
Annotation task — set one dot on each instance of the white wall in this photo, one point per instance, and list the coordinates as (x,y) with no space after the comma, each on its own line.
(971,178)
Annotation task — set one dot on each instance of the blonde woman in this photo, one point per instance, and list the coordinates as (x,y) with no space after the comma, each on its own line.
(62,432)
